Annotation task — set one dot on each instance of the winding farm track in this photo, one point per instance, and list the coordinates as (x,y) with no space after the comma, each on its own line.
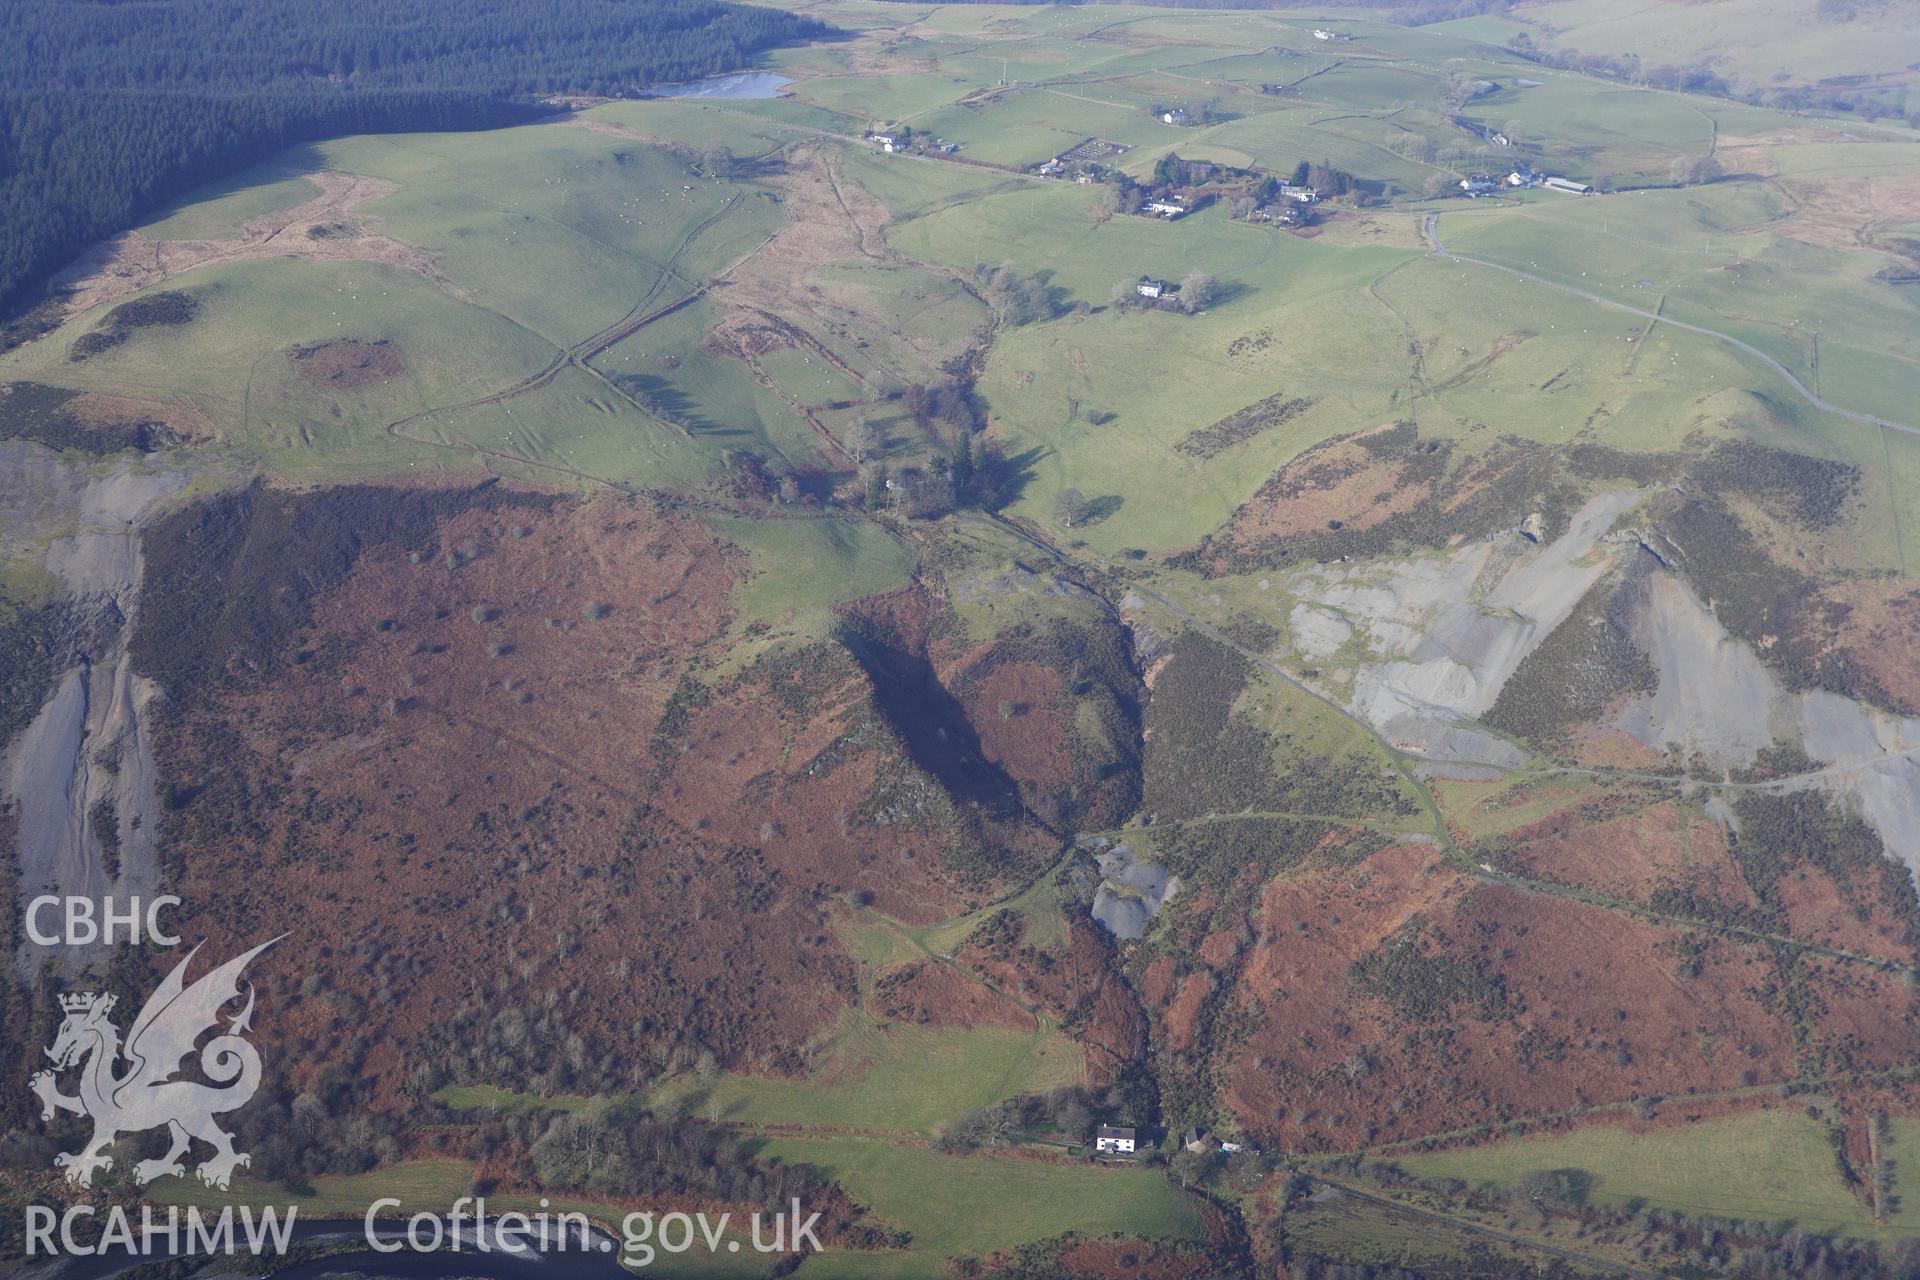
(1430,226)
(578,354)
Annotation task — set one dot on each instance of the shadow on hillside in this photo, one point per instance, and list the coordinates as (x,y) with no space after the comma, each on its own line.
(939,737)
(664,400)
(1006,477)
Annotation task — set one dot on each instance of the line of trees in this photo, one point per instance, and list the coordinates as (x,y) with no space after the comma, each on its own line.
(1016,299)
(114,109)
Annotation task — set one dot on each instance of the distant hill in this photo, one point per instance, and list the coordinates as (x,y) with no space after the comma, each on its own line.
(129,105)
(1812,52)
(1847,55)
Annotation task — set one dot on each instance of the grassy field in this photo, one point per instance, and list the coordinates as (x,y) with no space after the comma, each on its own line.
(713,398)
(231,363)
(977,1204)
(546,234)
(1482,809)
(1761,1166)
(800,569)
(562,230)
(1715,256)
(217,211)
(1361,1231)
(1754,42)
(575,430)
(1045,380)
(895,1076)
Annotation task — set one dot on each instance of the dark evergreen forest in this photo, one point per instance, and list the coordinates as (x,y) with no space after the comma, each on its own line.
(109,110)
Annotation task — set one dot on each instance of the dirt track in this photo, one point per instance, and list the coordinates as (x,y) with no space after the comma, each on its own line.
(132,261)
(1431,225)
(637,317)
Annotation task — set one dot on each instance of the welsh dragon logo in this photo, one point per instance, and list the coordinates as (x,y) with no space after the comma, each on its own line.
(146,1095)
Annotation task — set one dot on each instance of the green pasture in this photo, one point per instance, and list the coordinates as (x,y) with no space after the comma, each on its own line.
(559,228)
(879,1075)
(1372,85)
(1416,45)
(1482,809)
(808,378)
(1161,375)
(1022,126)
(1039,904)
(997,69)
(980,1204)
(1847,159)
(695,124)
(231,361)
(1753,42)
(1590,129)
(901,320)
(575,430)
(1483,29)
(872,1075)
(799,569)
(1761,1166)
(1708,256)
(1363,1231)
(1249,70)
(1902,1151)
(1278,140)
(868,99)
(218,211)
(546,234)
(1539,363)
(786,113)
(714,397)
(1055,231)
(912,187)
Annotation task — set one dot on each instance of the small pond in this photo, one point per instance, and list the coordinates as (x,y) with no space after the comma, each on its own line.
(738,84)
